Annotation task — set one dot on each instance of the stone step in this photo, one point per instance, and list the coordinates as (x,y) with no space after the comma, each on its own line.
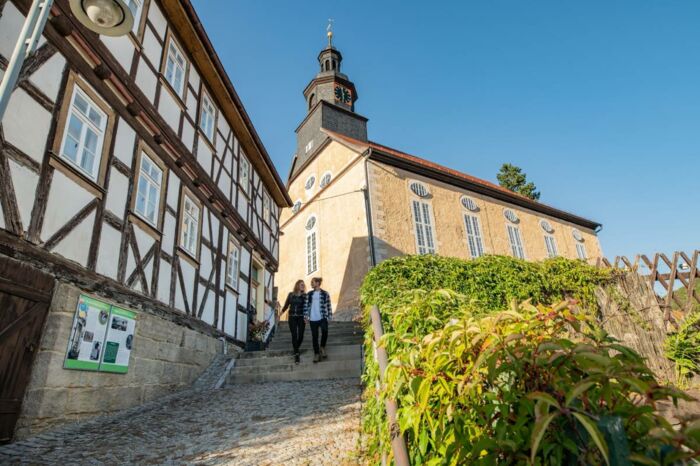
(319,371)
(306,364)
(287,351)
(335,353)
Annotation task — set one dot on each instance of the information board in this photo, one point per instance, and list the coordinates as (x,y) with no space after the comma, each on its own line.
(101,337)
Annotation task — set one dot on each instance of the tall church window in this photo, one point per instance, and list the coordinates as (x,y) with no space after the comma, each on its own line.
(581,251)
(83,135)
(423,221)
(516,243)
(311,246)
(551,245)
(476,246)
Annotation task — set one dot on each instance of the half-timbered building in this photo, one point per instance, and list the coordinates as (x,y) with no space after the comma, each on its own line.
(129,170)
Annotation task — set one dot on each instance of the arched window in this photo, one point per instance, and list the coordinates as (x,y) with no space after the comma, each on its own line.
(419,189)
(511,216)
(469,204)
(328,65)
(312,100)
(311,246)
(325,179)
(310,181)
(333,64)
(546,226)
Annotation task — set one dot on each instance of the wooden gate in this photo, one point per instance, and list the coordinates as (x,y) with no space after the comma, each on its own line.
(25,294)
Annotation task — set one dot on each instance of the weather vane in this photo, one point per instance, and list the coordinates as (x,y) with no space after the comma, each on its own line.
(329,32)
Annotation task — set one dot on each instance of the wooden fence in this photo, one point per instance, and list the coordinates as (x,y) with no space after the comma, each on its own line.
(676,281)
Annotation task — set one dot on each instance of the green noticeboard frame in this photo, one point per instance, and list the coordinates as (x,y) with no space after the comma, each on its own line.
(101,337)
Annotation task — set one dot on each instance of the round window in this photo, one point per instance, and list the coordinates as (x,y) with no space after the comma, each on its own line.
(296,207)
(546,226)
(577,235)
(310,182)
(325,181)
(311,223)
(419,189)
(511,216)
(469,204)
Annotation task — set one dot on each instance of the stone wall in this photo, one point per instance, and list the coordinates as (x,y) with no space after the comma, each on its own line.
(165,357)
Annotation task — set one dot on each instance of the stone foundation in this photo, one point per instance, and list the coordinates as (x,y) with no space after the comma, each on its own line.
(166,357)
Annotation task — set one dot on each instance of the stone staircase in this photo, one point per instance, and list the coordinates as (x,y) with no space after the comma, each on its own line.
(344,348)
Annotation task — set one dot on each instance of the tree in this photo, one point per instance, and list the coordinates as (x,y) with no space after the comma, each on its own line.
(512,177)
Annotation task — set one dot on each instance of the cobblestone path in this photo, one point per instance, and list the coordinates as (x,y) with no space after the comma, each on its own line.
(280,423)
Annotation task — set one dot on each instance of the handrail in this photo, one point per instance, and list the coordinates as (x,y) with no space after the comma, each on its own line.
(398,444)
(271,320)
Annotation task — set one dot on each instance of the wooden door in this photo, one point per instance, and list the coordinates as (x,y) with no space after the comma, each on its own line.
(25,295)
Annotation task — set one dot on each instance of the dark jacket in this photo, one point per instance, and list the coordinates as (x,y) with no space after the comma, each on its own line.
(295,303)
(325,301)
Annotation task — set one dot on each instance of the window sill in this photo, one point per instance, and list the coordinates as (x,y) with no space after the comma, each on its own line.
(188,256)
(232,289)
(136,219)
(57,162)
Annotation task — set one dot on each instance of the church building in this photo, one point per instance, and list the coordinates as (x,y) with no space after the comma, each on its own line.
(358,202)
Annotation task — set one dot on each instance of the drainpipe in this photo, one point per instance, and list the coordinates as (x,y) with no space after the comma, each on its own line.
(368,213)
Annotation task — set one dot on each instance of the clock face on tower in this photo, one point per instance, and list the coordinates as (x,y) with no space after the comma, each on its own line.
(343,94)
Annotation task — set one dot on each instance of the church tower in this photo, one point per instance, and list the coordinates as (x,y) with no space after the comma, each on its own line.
(330,103)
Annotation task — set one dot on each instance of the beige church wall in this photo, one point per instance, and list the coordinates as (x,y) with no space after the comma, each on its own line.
(343,245)
(334,158)
(393,222)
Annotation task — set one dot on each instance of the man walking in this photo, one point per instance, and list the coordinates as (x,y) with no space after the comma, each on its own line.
(317,311)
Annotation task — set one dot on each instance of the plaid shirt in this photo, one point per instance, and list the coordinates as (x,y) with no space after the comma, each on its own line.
(325,301)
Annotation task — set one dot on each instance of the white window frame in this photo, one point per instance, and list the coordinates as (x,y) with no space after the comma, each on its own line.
(189,237)
(516,242)
(312,256)
(475,242)
(321,183)
(172,53)
(581,251)
(135,13)
(267,209)
(149,181)
(423,221)
(551,244)
(207,117)
(233,263)
(87,123)
(309,146)
(244,174)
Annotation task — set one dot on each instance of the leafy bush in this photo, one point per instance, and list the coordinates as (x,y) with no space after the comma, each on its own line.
(524,386)
(489,281)
(476,384)
(683,347)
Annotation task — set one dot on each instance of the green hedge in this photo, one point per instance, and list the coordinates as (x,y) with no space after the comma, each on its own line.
(531,385)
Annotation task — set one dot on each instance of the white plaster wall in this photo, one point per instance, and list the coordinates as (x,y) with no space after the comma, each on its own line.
(65,200)
(230,320)
(205,262)
(143,240)
(124,142)
(164,282)
(194,79)
(225,184)
(151,48)
(242,206)
(108,253)
(122,49)
(204,156)
(242,329)
(10,26)
(209,305)
(146,80)
(24,181)
(155,15)
(214,230)
(26,125)
(243,293)
(76,245)
(187,134)
(168,240)
(117,193)
(169,110)
(130,262)
(191,105)
(173,190)
(47,77)
(223,126)
(245,261)
(188,275)
(148,272)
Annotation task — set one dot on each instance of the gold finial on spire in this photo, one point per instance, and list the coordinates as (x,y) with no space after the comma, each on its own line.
(329,32)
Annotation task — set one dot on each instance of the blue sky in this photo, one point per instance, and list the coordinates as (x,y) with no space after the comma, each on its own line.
(597,100)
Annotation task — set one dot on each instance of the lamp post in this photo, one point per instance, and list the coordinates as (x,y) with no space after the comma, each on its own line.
(108,17)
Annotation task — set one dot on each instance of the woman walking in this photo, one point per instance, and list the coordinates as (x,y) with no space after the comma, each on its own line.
(295,304)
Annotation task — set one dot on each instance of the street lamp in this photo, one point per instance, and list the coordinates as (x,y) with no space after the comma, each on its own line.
(107,17)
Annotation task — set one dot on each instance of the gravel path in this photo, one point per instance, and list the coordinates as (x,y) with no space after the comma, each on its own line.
(280,423)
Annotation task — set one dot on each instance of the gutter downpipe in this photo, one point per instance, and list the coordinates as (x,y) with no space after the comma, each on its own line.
(398,443)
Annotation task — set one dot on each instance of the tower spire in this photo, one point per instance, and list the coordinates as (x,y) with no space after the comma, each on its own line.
(329,32)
